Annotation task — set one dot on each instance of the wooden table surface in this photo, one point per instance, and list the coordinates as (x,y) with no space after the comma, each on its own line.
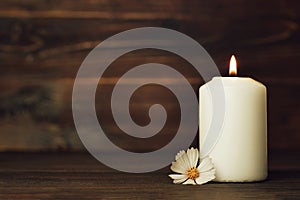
(80,176)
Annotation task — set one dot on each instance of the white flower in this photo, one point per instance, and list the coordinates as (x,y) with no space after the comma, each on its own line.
(186,164)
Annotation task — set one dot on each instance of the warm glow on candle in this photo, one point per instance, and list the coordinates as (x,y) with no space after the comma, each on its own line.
(233,66)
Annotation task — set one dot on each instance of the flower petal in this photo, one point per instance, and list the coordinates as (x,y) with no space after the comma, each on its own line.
(193,156)
(205,165)
(189,181)
(203,178)
(184,161)
(179,154)
(178,181)
(178,178)
(178,167)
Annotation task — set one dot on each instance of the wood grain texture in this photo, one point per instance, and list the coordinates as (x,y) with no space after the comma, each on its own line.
(79,176)
(43,43)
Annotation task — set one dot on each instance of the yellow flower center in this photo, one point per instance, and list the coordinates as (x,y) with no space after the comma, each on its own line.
(192,173)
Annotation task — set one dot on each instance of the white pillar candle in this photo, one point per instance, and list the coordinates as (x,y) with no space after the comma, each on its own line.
(240,153)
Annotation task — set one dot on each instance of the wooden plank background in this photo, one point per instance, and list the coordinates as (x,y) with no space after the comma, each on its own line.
(43,43)
(70,176)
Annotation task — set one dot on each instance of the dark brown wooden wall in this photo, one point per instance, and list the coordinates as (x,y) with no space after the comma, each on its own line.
(43,42)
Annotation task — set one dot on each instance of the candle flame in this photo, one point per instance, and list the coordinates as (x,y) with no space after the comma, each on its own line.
(233,66)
